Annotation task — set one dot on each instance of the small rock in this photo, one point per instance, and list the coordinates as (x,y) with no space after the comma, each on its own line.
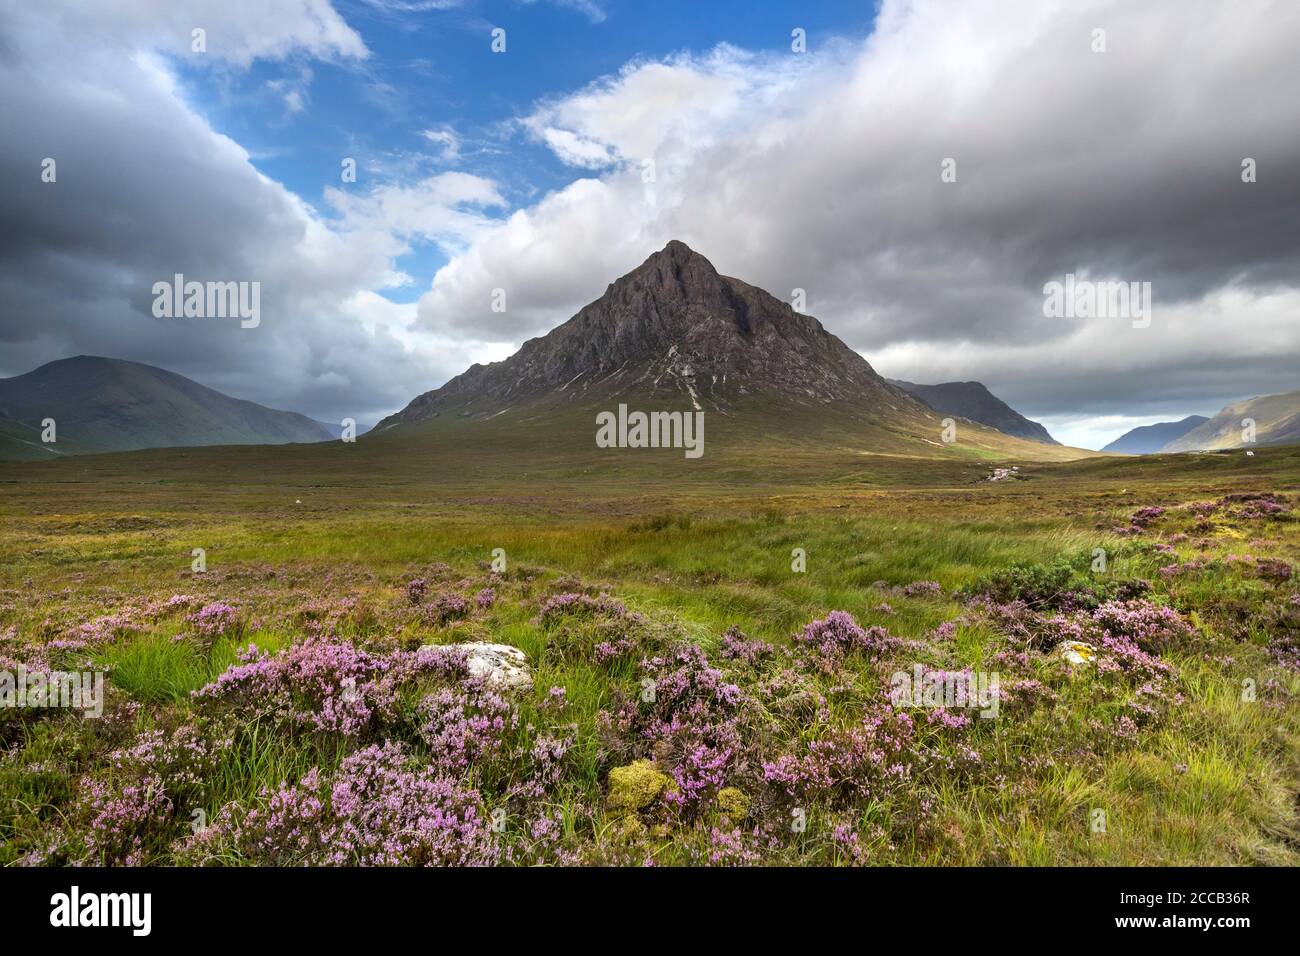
(500,664)
(1076,652)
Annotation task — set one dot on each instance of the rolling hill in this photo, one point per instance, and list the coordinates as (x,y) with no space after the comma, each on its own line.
(103,404)
(1149,439)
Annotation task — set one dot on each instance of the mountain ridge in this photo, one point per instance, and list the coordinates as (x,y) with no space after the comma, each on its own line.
(673,334)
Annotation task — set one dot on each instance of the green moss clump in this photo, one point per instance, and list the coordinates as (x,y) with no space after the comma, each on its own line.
(635,786)
(733,802)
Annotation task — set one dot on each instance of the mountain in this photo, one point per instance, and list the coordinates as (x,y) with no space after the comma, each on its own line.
(971,400)
(1149,439)
(674,334)
(102,404)
(1276,417)
(671,328)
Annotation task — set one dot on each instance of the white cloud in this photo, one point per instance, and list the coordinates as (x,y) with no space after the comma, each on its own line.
(591,9)
(413,6)
(447,141)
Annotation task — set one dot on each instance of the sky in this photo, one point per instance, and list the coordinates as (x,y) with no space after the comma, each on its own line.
(1095,138)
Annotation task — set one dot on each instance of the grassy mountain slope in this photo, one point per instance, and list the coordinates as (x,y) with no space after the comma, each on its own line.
(1276,417)
(102,404)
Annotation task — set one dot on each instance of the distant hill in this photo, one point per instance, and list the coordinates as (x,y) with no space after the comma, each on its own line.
(102,404)
(1276,417)
(1149,439)
(971,400)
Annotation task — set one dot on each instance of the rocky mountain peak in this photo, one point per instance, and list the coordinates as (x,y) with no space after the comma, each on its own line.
(671,329)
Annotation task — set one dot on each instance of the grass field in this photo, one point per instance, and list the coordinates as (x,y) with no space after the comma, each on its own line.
(695,700)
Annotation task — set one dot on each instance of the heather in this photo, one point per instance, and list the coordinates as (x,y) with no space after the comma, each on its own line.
(312,698)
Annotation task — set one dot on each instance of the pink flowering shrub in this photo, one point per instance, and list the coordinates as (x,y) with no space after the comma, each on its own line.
(574,603)
(446,608)
(1129,636)
(213,620)
(1049,587)
(1150,626)
(880,759)
(415,589)
(838,634)
(174,604)
(1272,569)
(378,809)
(122,817)
(687,716)
(732,847)
(1187,567)
(322,686)
(465,726)
(735,646)
(946,631)
(1283,623)
(316,685)
(97,632)
(135,808)
(596,629)
(1254,504)
(1143,517)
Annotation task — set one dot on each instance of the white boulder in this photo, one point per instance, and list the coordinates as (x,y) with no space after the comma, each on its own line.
(499,664)
(1076,652)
